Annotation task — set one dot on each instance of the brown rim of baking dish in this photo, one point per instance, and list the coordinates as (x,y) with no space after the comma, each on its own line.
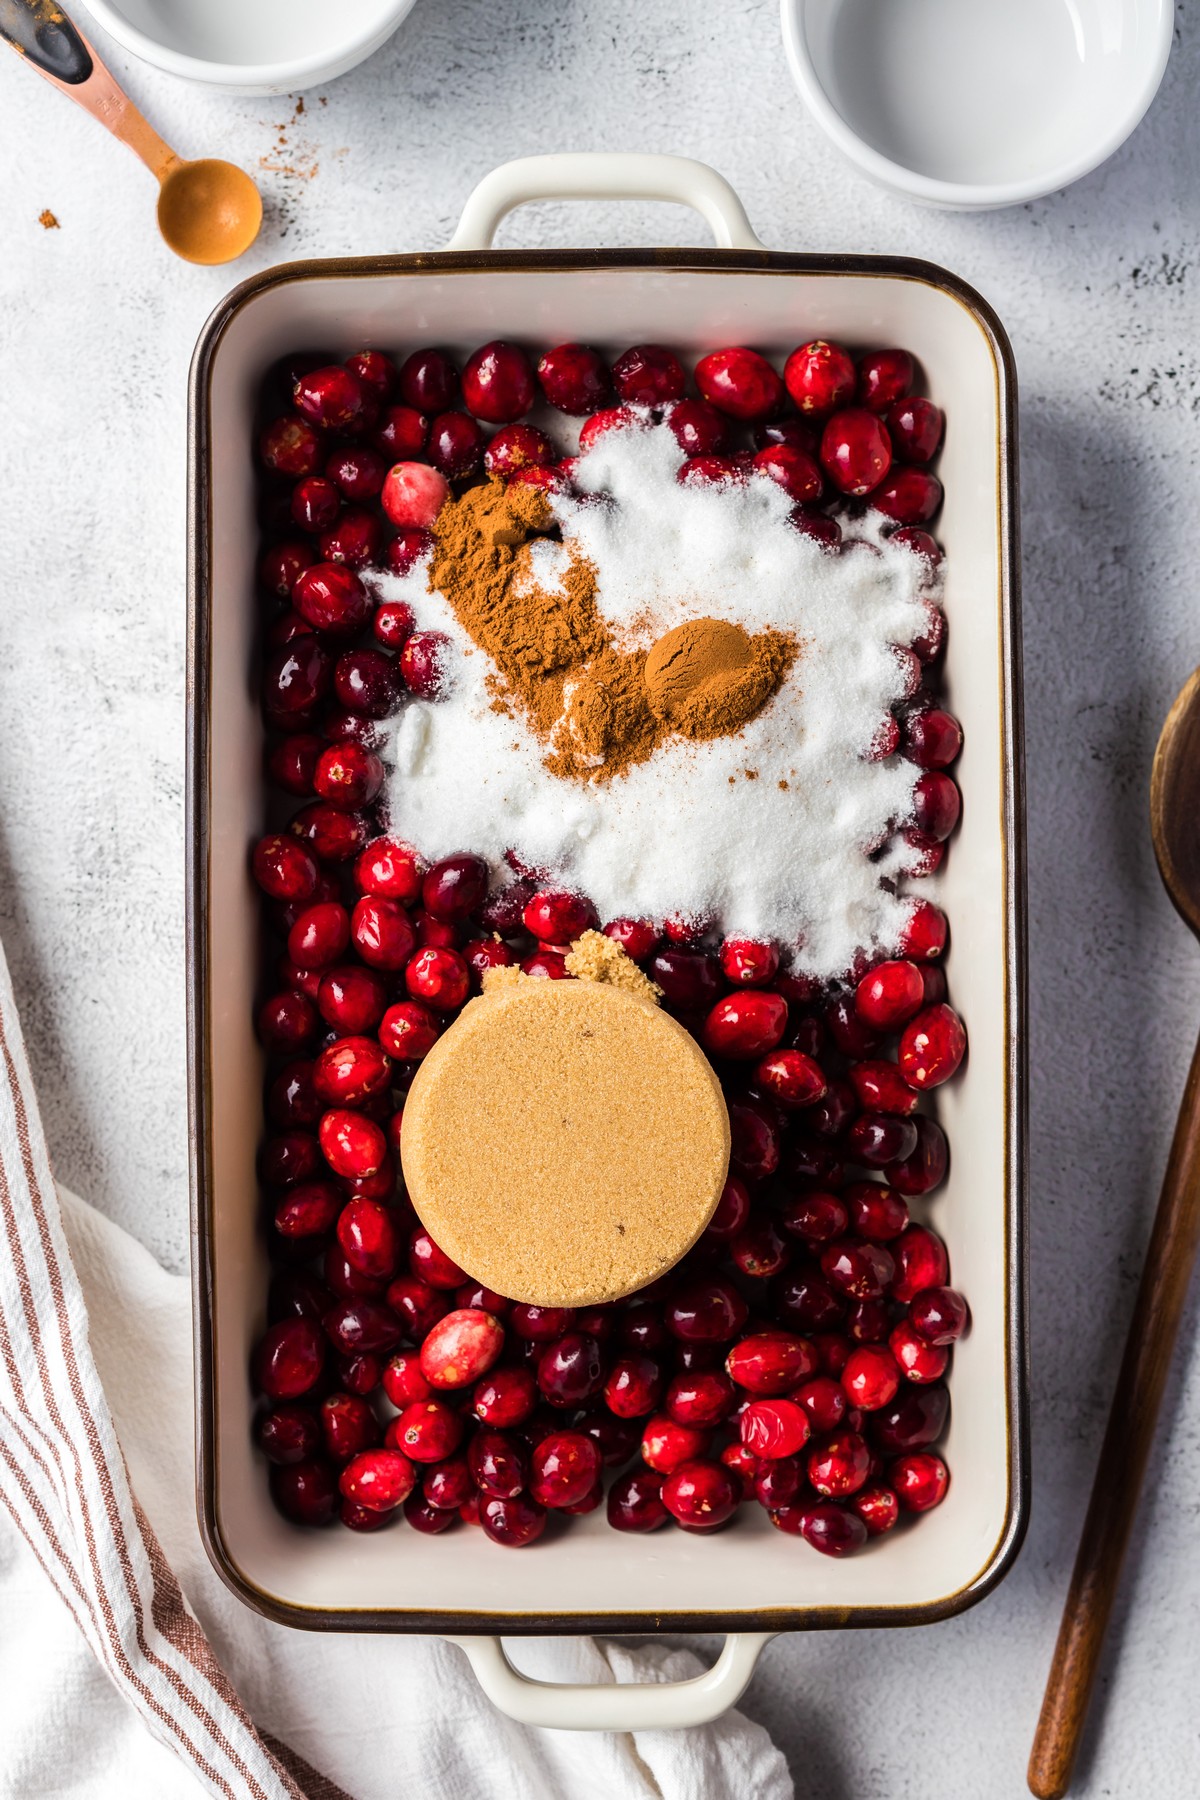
(773,1619)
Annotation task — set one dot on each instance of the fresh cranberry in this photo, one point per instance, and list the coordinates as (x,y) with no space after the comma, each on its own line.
(932,738)
(820,377)
(877,1507)
(352,1145)
(871,1377)
(826,1527)
(829,1117)
(455,448)
(405,552)
(288,1434)
(877,1139)
(348,1426)
(332,835)
(932,1047)
(827,532)
(838,1467)
(916,427)
(332,599)
(286,1022)
(641,1326)
(295,679)
(849,1030)
(289,1359)
(348,776)
(284,869)
(702,1398)
(573,379)
(306,1492)
(418,1304)
(816,1216)
(745,1025)
(414,494)
(403,1381)
(791,1078)
(379,1479)
(390,868)
(889,995)
(861,1270)
(402,434)
(616,1439)
(823,1400)
(571,1370)
(701,1494)
(356,472)
(428,381)
(833,1348)
(708,471)
(353,540)
(428,1431)
(382,932)
(881,1088)
(517,447)
(759,1250)
(795,471)
(374,369)
(497,383)
(367,1234)
(351,999)
(637,937)
(557,918)
(926,547)
(938,1315)
(698,428)
(282,566)
(919,1360)
(925,932)
(808,1159)
(667,1445)
(856,452)
(885,376)
(366,681)
(454,888)
(447,1484)
(706,1311)
(931,641)
(921,1263)
(914,1420)
(505,1397)
(731,1212)
(773,1428)
(876,1212)
(423,1516)
(290,1158)
(428,1260)
(689,979)
(778,1483)
(333,398)
(498,1464)
(745,963)
(292,764)
(648,375)
(739,383)
(796,433)
(515,1523)
(919,1482)
(910,496)
(563,1469)
(610,418)
(292,1098)
(925,855)
(635,1501)
(771,1362)
(439,978)
(634,1387)
(461,1348)
(291,447)
(408,1031)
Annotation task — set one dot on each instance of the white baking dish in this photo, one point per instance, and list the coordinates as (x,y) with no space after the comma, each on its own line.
(751,1579)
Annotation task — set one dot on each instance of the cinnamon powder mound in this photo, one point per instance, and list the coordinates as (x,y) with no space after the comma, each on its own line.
(598,710)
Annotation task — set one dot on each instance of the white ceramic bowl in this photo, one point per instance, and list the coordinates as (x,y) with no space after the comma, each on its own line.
(251,46)
(977,103)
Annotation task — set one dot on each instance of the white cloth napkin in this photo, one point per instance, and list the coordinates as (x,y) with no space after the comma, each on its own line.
(95,1408)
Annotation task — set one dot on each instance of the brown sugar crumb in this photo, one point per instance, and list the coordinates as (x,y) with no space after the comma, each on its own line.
(47,220)
(496,980)
(594,957)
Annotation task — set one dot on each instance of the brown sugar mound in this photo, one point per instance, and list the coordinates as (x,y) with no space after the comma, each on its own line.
(594,957)
(596,709)
(565,1142)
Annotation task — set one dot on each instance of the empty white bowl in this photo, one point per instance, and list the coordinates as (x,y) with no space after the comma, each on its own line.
(977,103)
(251,46)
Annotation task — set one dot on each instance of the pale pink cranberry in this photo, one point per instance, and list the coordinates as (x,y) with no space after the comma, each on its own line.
(746,963)
(795,471)
(455,447)
(745,1025)
(885,376)
(414,494)
(351,1144)
(791,1078)
(284,869)
(938,1315)
(732,1211)
(774,1427)
(516,1523)
(517,447)
(351,1071)
(506,1397)
(637,937)
(374,369)
(666,1445)
(430,1262)
(910,496)
(333,398)
(932,738)
(289,1359)
(700,1494)
(291,447)
(288,1434)
(739,383)
(455,887)
(610,418)
(563,1469)
(461,1347)
(390,868)
(498,384)
(771,1362)
(573,378)
(856,452)
(698,428)
(820,377)
(838,1467)
(408,1031)
(648,375)
(919,1481)
(877,1507)
(403,1381)
(921,1262)
(889,995)
(348,1426)
(306,1492)
(557,918)
(635,1501)
(378,1479)
(428,381)
(932,1047)
(402,434)
(920,1361)
(428,1431)
(281,567)
(331,598)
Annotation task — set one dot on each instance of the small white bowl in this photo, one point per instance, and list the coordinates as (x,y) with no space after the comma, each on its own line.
(977,103)
(251,46)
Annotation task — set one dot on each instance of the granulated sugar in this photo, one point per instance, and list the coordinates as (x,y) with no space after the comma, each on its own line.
(768,831)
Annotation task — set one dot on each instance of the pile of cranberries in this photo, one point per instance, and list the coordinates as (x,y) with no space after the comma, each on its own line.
(797,1355)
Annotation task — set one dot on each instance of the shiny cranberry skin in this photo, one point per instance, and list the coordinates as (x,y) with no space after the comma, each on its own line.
(455,887)
(498,1464)
(514,1523)
(916,427)
(706,1312)
(700,1399)
(320,935)
(871,1377)
(428,381)
(570,1371)
(291,447)
(428,1431)
(610,418)
(461,1348)
(820,377)
(417,1304)
(795,471)
(292,764)
(774,1427)
(745,1025)
(740,383)
(755,1138)
(919,1360)
(402,434)
(914,1420)
(889,995)
(876,1212)
(351,999)
(637,937)
(932,738)
(292,1099)
(701,1494)
(861,1270)
(332,835)
(826,531)
(838,1467)
(926,1168)
(698,428)
(505,1397)
(557,918)
(348,776)
(428,1260)
(745,963)
(919,1482)
(880,1087)
(484,954)
(282,566)
(408,1031)
(333,398)
(713,471)
(306,1492)
(563,1469)
(877,1507)
(356,471)
(771,1362)
(315,503)
(447,1484)
(390,868)
(413,494)
(938,1315)
(877,1139)
(849,1030)
(348,1426)
(382,932)
(374,370)
(402,554)
(805,1300)
(791,1078)
(403,1381)
(634,1387)
(308,1210)
(635,1501)
(352,1145)
(288,1159)
(367,682)
(288,1434)
(378,1479)
(573,379)
(885,376)
(498,384)
(517,447)
(648,375)
(284,869)
(367,1235)
(439,978)
(826,1527)
(641,1326)
(759,1250)
(823,1400)
(689,979)
(932,1047)
(732,1211)
(666,1445)
(332,599)
(427,1518)
(456,445)
(353,540)
(778,1483)
(816,1216)
(856,452)
(910,496)
(925,932)
(289,1359)
(936,804)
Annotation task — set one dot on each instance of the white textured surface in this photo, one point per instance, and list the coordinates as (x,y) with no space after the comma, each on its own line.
(1098,288)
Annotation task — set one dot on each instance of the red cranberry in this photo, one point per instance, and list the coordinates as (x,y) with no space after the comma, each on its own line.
(806,1301)
(791,1078)
(455,447)
(407,548)
(332,599)
(877,1139)
(745,1025)
(820,377)
(288,1434)
(686,928)
(796,433)
(505,1397)
(408,1031)
(428,381)
(795,471)
(745,963)
(428,1260)
(368,1238)
(889,995)
(885,376)
(932,1047)
(570,1371)
(351,999)
(289,1359)
(282,566)
(637,937)
(292,764)
(374,369)
(356,471)
(498,1464)
(428,1431)
(816,1216)
(557,918)
(771,1362)
(517,447)
(925,932)
(826,1527)
(454,888)
(701,1494)
(740,383)
(616,1439)
(827,532)
(563,1469)
(306,1492)
(921,544)
(308,1210)
(292,447)
(925,855)
(447,1484)
(292,1099)
(838,1468)
(926,1168)
(425,1517)
(919,1361)
(390,868)
(932,738)
(382,932)
(919,1482)
(378,1479)
(666,1445)
(877,1507)
(860,1270)
(698,428)
(773,1428)
(351,1145)
(635,1502)
(849,1030)
(641,1326)
(296,1294)
(634,1387)
(928,646)
(366,681)
(871,1377)
(343,727)
(402,434)
(689,979)
(288,1159)
(348,776)
(497,383)
(284,869)
(332,398)
(910,496)
(419,1305)
(403,1381)
(353,540)
(611,418)
(759,1250)
(778,1483)
(702,1398)
(461,1348)
(348,1426)
(515,1522)
(573,379)
(648,375)
(331,834)
(810,1160)
(440,978)
(875,1211)
(484,954)
(823,1400)
(916,427)
(914,1420)
(938,1315)
(856,452)
(413,494)
(709,1311)
(732,1211)
(834,1351)
(880,1087)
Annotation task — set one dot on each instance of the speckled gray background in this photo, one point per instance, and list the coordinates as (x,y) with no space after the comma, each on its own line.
(1098,288)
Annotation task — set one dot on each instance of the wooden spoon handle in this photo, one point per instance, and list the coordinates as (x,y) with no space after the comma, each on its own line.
(1131,1422)
(41,33)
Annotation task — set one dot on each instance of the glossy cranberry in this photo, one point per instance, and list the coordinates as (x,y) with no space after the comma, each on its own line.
(758,1249)
(910,496)
(805,1301)
(666,1444)
(637,937)
(306,1492)
(838,1467)
(428,1431)
(289,1359)
(378,1479)
(816,1216)
(698,428)
(333,836)
(795,471)
(348,776)
(771,1362)
(308,1210)
(429,1261)
(745,1025)
(332,599)
(292,1099)
(367,1235)
(428,381)
(454,888)
(877,1507)
(938,1315)
(885,376)
(701,1399)
(634,1387)
(498,384)
(610,418)
(390,868)
(408,1031)
(374,370)
(284,869)
(871,1377)
(925,932)
(447,1485)
(919,1482)
(292,764)
(919,1360)
(461,1348)
(641,1327)
(413,494)
(439,978)
(557,918)
(291,447)
(563,1469)
(402,554)
(809,1159)
(290,1158)
(356,472)
(382,931)
(914,1420)
(827,532)
(353,540)
(820,377)
(924,855)
(404,1382)
(402,434)
(877,1139)
(315,503)
(571,1370)
(288,1434)
(635,1501)
(881,1088)
(689,979)
(776,1483)
(498,1463)
(701,1494)
(732,1211)
(740,383)
(351,999)
(791,1079)
(419,1305)
(573,379)
(706,1311)
(876,1212)
(861,1270)
(515,1523)
(826,1527)
(926,1168)
(932,1047)
(745,963)
(455,447)
(856,452)
(505,1397)
(824,1402)
(888,996)
(483,954)
(348,1283)
(333,398)
(849,1030)
(932,738)
(755,1138)
(367,682)
(916,427)
(517,447)
(348,1426)
(648,375)
(774,1427)
(351,1145)
(281,567)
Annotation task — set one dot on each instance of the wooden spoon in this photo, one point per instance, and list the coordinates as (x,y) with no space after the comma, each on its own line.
(208,211)
(1175,829)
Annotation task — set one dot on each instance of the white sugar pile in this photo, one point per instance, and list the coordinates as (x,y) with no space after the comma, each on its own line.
(766,832)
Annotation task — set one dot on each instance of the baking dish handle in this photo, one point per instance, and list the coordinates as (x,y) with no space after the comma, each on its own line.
(604,175)
(609,1706)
